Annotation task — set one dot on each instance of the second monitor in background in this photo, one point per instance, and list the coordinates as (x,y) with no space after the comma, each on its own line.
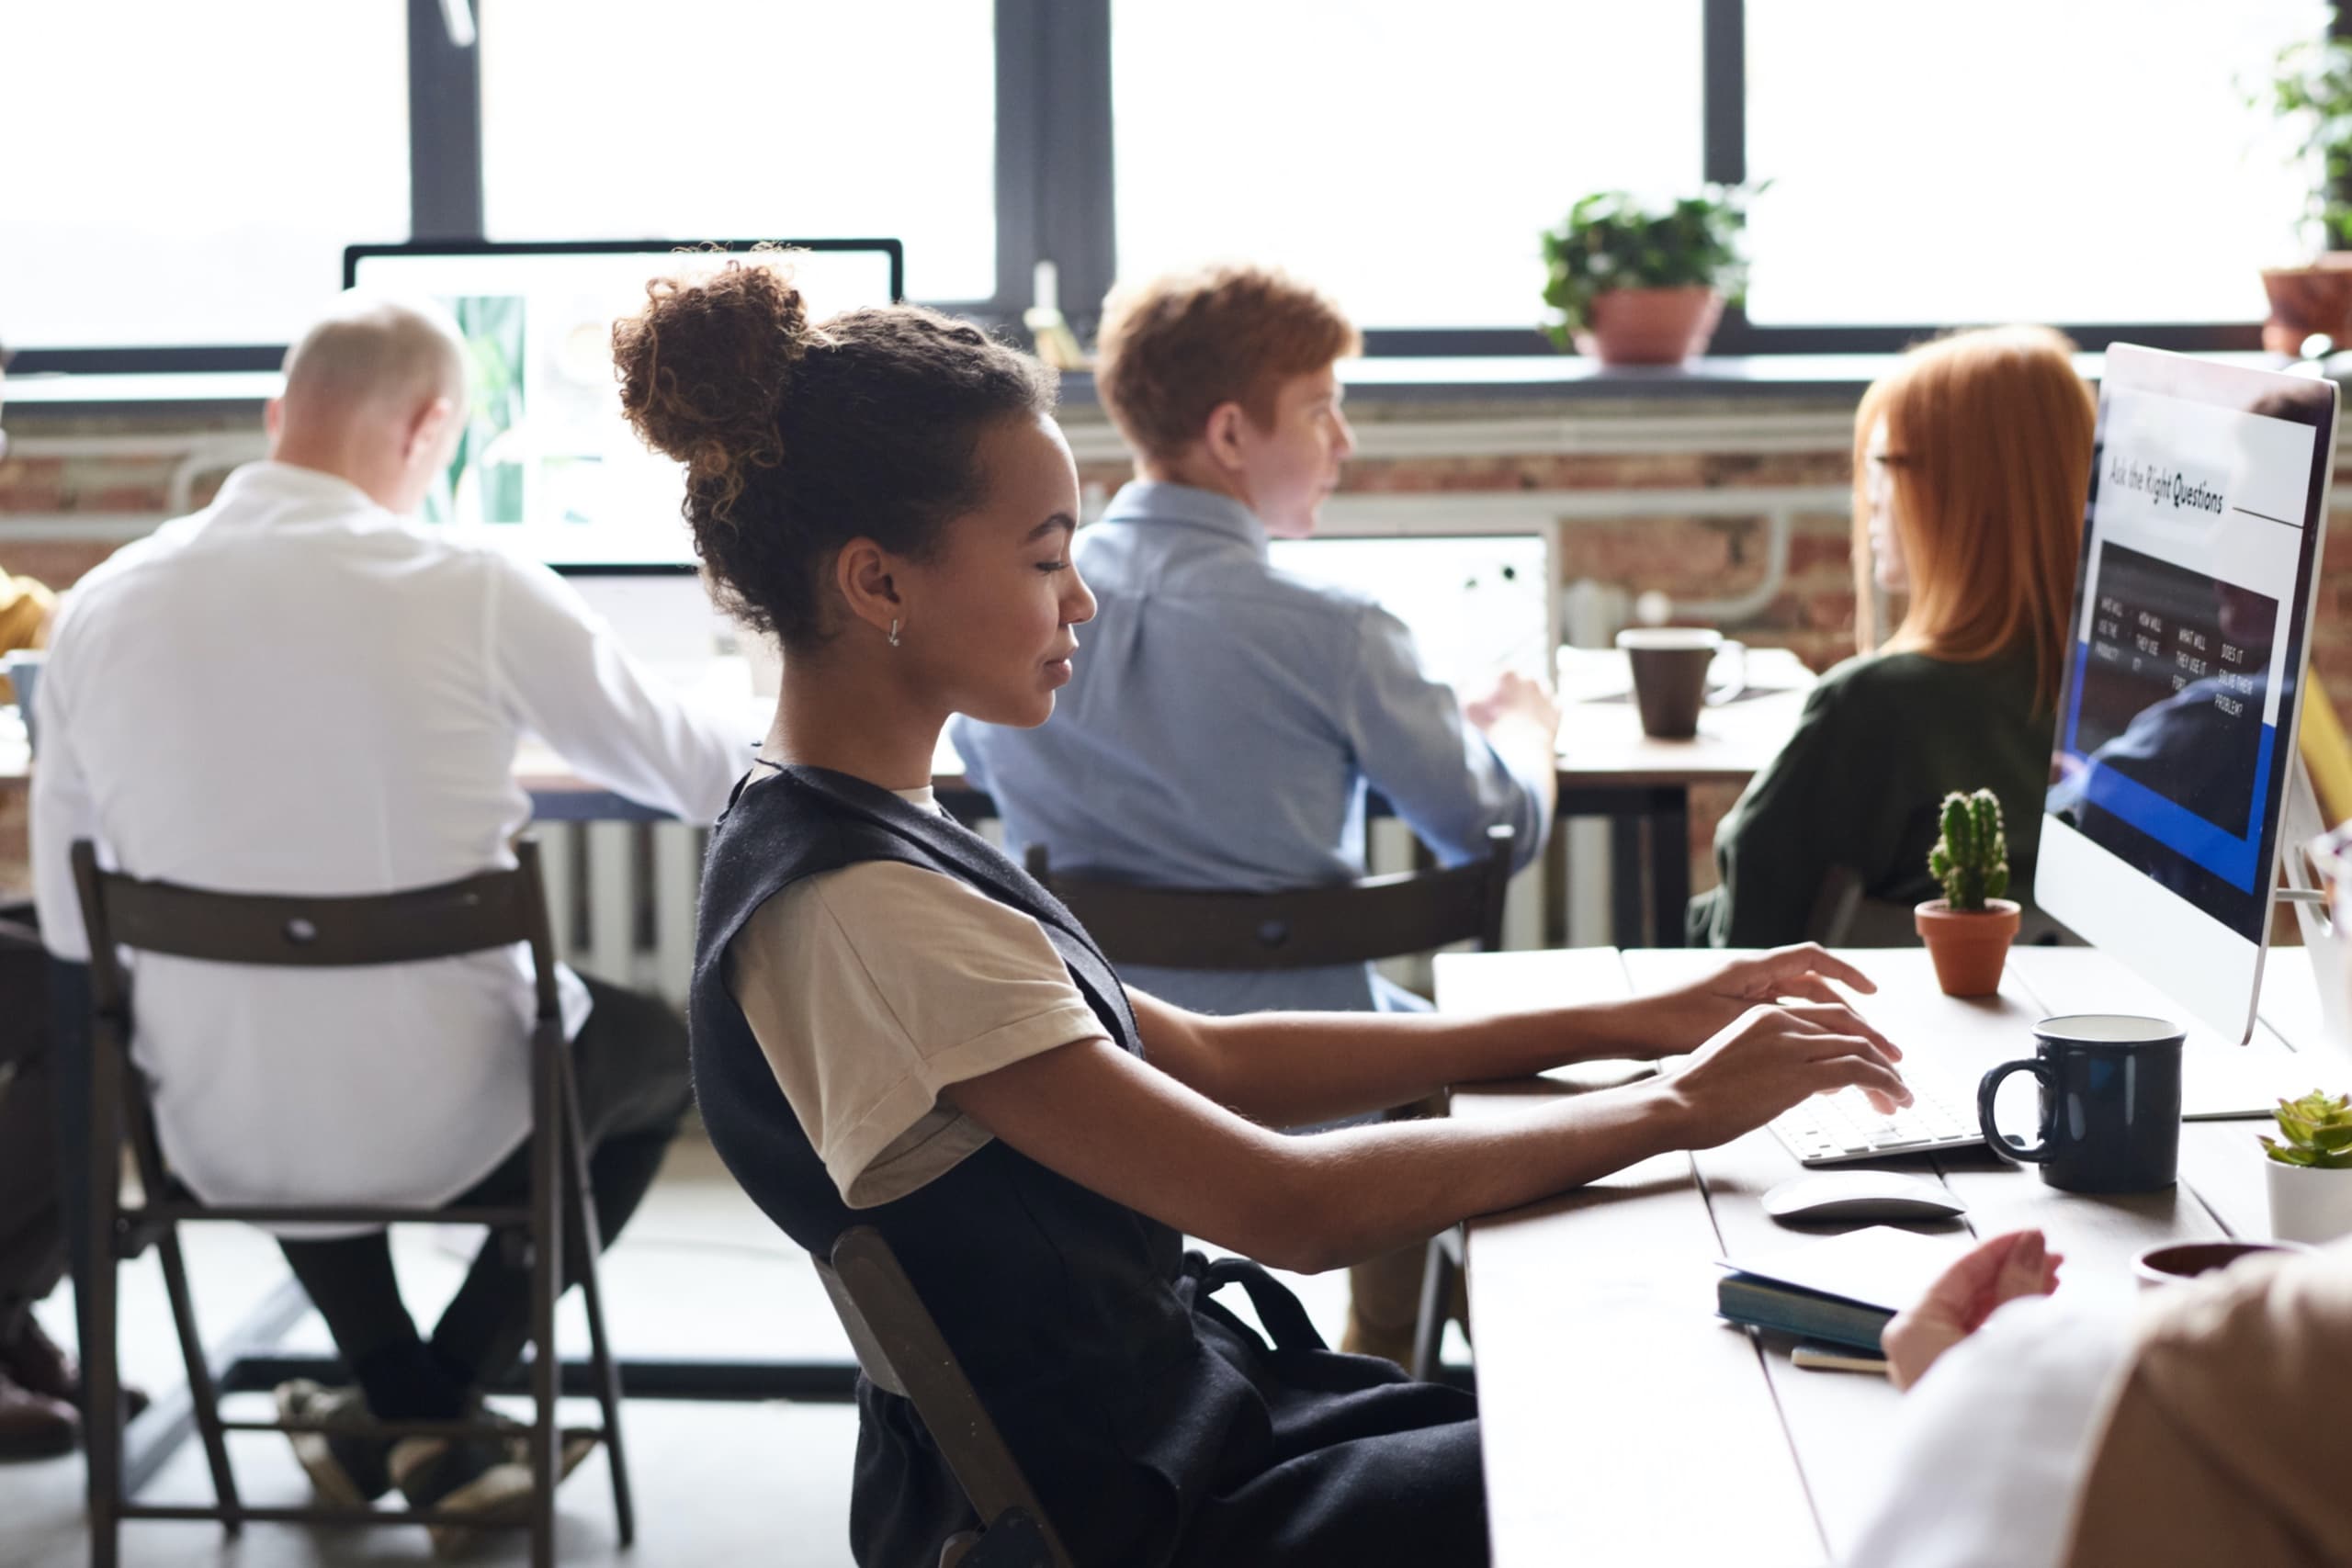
(546,466)
(1476,604)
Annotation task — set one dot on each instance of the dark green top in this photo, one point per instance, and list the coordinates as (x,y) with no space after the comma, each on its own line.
(1882,738)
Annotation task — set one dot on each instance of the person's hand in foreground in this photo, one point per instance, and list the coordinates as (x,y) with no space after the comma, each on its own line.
(1993,1274)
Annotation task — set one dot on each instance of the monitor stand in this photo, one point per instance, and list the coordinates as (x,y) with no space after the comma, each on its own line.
(2328,942)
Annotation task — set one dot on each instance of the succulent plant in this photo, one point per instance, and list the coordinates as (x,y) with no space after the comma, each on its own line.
(2317,1130)
(1972,860)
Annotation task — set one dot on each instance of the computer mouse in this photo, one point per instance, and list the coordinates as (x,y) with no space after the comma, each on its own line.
(1844,1195)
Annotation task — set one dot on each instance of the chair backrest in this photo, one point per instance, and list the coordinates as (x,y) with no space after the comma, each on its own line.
(494,909)
(903,1352)
(1293,928)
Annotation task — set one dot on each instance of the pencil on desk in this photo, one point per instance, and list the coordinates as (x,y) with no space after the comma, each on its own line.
(1831,1359)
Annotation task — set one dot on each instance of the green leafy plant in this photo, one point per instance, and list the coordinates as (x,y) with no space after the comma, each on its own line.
(480,485)
(2317,1130)
(2311,87)
(1611,240)
(1972,860)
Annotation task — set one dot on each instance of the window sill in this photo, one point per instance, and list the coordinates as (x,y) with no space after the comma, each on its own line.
(28,398)
(1574,377)
(1393,379)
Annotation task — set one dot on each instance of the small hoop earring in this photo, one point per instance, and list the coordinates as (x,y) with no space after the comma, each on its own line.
(894,631)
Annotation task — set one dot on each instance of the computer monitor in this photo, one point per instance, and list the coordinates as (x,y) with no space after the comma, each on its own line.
(2178,721)
(664,617)
(547,465)
(1476,604)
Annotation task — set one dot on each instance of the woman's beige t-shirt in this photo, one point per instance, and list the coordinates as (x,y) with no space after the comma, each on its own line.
(872,989)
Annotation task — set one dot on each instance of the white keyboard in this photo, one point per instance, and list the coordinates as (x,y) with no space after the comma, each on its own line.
(1830,1129)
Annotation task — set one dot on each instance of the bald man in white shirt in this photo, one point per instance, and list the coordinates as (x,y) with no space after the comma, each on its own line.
(300,690)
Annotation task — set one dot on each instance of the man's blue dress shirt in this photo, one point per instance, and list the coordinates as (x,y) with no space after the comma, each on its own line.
(1219,730)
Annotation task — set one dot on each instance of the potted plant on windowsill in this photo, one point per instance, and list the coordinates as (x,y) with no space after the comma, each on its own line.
(1636,285)
(2310,89)
(2310,1168)
(1968,930)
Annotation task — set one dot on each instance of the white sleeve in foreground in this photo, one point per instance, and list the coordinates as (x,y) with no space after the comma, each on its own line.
(1996,1441)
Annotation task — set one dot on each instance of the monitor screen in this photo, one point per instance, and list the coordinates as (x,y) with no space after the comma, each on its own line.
(2176,720)
(664,617)
(1476,604)
(547,465)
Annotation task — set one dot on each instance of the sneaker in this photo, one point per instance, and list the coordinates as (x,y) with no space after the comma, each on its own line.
(474,1476)
(349,1470)
(574,1444)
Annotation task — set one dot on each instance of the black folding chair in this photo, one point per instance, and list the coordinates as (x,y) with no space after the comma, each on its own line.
(903,1352)
(497,909)
(1302,928)
(1361,921)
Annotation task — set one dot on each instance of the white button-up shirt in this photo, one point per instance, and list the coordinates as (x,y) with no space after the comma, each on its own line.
(294,691)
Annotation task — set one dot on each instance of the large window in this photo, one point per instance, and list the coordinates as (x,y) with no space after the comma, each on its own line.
(1402,155)
(718,119)
(184,173)
(2017,160)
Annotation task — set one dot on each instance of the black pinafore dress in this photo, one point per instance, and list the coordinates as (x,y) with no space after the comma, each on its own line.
(1155,1426)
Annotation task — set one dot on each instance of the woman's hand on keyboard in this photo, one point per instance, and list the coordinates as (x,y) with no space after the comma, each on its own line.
(1799,974)
(1770,1058)
(1803,970)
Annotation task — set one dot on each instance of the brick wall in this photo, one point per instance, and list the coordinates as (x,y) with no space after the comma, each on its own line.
(1683,557)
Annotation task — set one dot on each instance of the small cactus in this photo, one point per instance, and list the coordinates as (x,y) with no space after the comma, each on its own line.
(1972,860)
(2318,1132)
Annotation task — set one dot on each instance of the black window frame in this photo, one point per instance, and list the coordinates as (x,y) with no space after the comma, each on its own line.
(1054,195)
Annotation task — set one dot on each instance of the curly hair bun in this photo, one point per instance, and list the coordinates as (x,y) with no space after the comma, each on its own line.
(704,366)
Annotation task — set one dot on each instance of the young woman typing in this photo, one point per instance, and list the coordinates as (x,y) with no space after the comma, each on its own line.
(894,1026)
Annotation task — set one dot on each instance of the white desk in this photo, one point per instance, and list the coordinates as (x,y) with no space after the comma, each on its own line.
(1619,1413)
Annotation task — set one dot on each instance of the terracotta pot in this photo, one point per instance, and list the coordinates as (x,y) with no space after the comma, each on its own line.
(1652,326)
(1969,949)
(2308,300)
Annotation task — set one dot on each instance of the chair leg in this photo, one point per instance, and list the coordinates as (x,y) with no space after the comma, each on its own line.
(592,1298)
(201,1392)
(546,1280)
(1437,1292)
(101,1371)
(102,1436)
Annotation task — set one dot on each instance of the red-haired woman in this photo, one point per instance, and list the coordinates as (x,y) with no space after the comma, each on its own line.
(1972,460)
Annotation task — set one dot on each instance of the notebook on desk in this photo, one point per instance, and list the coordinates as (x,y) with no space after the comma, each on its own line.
(1842,1290)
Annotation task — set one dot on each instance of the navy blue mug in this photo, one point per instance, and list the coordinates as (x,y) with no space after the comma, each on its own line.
(2111,1103)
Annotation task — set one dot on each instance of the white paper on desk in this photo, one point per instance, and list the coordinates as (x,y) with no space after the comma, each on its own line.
(1878,1265)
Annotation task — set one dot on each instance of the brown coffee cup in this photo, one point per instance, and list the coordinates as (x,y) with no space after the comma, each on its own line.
(2178,1260)
(1670,666)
